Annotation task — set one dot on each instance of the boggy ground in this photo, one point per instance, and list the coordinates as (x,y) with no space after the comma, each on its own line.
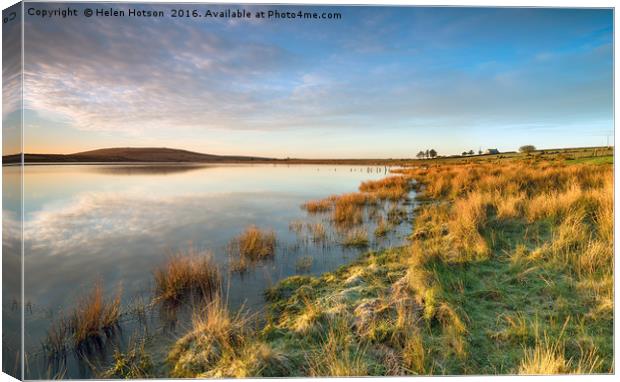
(509,270)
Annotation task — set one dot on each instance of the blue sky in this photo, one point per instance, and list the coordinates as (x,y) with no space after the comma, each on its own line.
(381,82)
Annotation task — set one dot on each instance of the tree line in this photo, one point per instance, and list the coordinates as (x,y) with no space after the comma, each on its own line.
(426,154)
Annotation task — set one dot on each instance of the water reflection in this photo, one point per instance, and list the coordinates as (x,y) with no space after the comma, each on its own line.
(119,223)
(163,169)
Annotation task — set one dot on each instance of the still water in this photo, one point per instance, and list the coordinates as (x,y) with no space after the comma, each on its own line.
(117,223)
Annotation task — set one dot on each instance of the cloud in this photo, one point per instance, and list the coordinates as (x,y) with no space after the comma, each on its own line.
(374,70)
(142,75)
(92,220)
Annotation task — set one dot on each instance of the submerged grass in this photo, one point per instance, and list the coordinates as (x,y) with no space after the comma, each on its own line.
(253,245)
(187,273)
(348,210)
(357,237)
(95,314)
(318,232)
(93,317)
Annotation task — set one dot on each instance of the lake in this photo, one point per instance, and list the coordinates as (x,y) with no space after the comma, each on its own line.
(117,223)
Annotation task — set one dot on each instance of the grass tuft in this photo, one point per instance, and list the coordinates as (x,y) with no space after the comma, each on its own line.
(187,273)
(250,247)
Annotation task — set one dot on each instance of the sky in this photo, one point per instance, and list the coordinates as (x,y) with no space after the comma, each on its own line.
(382,82)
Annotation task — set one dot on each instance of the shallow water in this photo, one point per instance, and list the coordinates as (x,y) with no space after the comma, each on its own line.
(117,223)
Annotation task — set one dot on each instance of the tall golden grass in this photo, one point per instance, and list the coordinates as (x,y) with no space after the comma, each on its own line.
(475,203)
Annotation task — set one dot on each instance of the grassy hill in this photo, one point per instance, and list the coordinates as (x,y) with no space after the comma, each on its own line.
(131,154)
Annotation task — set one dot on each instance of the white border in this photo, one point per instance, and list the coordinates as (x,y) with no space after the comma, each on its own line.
(484,3)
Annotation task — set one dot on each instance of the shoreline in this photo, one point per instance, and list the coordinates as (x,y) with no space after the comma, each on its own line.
(482,287)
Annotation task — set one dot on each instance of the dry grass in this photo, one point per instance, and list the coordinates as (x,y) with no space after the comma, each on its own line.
(382,228)
(223,344)
(413,352)
(250,247)
(256,244)
(318,233)
(547,217)
(187,273)
(357,237)
(296,226)
(134,363)
(547,357)
(337,355)
(500,253)
(392,188)
(95,314)
(318,206)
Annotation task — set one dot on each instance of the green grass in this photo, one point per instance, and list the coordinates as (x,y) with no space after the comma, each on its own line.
(607,159)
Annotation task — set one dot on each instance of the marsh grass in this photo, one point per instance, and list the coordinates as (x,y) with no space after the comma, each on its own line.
(318,206)
(296,226)
(250,247)
(348,210)
(318,232)
(304,264)
(133,363)
(223,344)
(187,273)
(392,188)
(93,318)
(509,270)
(95,314)
(357,237)
(382,228)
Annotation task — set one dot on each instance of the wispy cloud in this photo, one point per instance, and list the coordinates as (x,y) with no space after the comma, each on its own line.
(379,68)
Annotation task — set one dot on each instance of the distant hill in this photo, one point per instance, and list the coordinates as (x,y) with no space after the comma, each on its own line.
(132,154)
